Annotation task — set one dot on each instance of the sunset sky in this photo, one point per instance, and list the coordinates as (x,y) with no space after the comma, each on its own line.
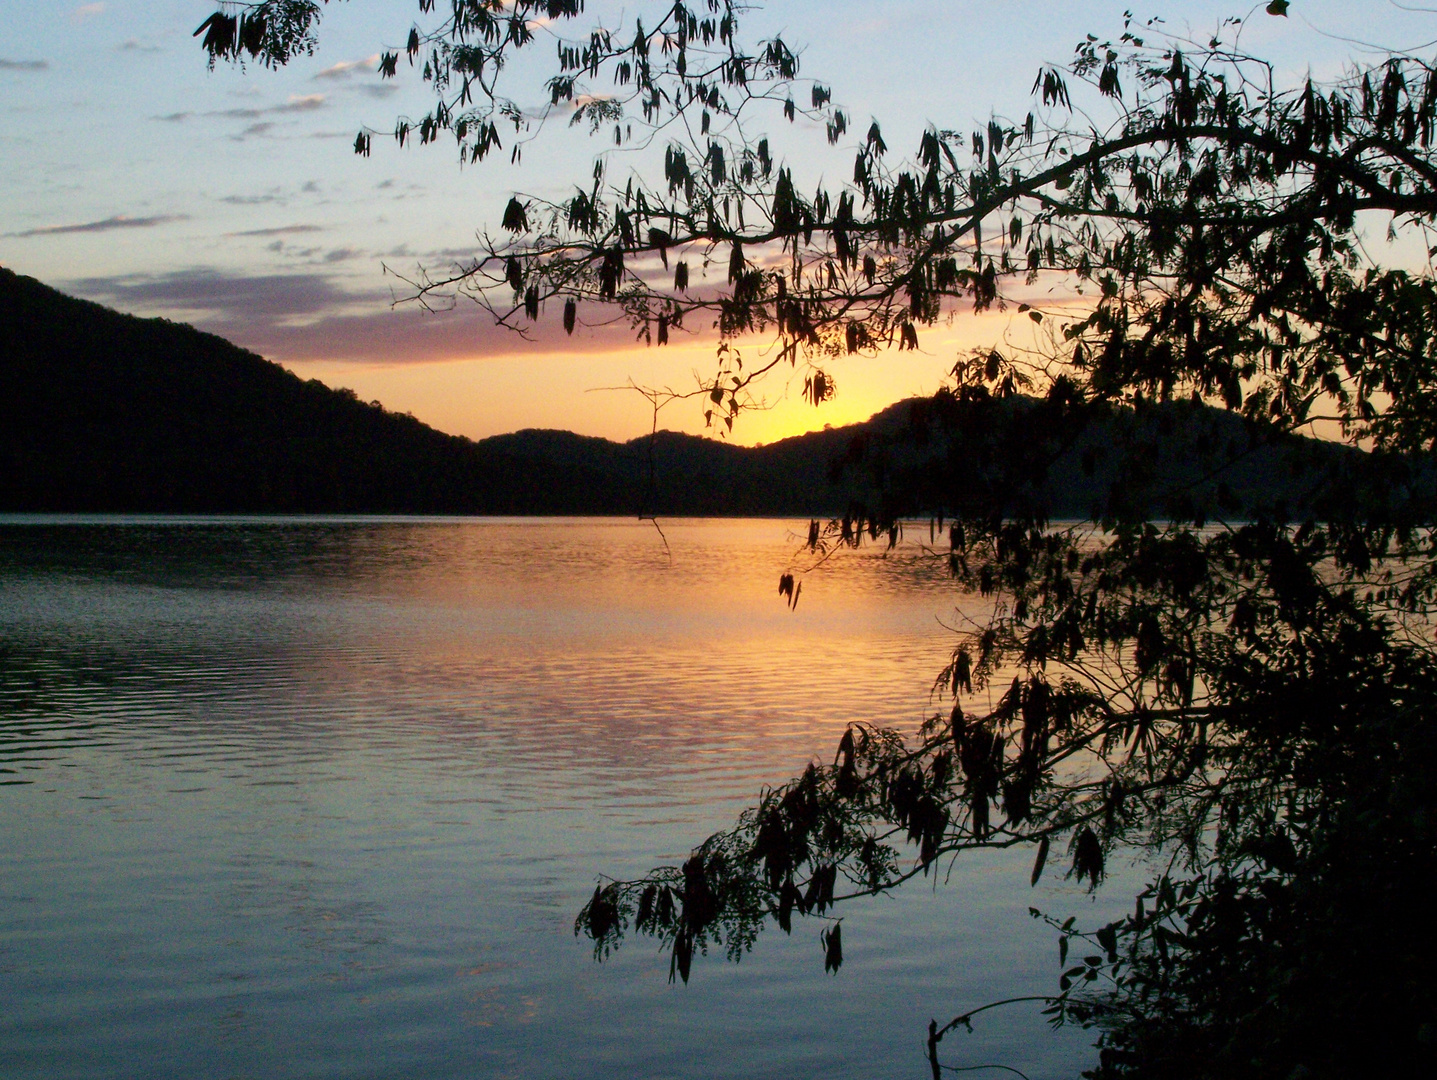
(131,175)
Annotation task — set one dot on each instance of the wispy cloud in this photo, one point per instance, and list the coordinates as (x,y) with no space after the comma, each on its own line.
(408,335)
(297,103)
(227,298)
(316,316)
(273,196)
(110,224)
(23,65)
(281,230)
(134,45)
(88,11)
(254,131)
(345,68)
(300,103)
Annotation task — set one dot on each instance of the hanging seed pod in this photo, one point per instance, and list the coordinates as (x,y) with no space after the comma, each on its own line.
(571,311)
(1087,858)
(516,217)
(603,914)
(1018,799)
(1008,705)
(788,898)
(827,877)
(962,672)
(643,919)
(660,240)
(610,271)
(1035,718)
(785,586)
(664,909)
(1039,862)
(832,941)
(682,957)
(980,815)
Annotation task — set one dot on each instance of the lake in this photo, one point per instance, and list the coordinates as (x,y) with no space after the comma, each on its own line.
(321,797)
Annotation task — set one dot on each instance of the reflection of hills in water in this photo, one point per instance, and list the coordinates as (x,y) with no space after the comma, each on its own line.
(129,612)
(107,412)
(326,804)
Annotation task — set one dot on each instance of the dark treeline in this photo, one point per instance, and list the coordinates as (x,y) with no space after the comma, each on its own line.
(103,412)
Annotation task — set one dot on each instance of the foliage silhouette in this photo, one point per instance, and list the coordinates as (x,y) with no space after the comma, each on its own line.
(1248,694)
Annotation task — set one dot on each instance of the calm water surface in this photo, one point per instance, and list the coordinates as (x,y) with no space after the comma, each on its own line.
(322,797)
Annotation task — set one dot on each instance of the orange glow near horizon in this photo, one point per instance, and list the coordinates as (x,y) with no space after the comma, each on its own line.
(591,395)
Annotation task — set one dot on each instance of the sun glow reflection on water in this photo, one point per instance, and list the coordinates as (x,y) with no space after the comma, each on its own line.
(321,797)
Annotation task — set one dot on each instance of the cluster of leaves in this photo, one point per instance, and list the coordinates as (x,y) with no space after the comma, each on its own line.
(687,58)
(269,33)
(1253,702)
(1216,218)
(1204,696)
(1300,942)
(675,69)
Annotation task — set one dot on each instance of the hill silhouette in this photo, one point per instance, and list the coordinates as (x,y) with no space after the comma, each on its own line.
(105,412)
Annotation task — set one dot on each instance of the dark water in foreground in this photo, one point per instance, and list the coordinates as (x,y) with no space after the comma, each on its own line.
(321,798)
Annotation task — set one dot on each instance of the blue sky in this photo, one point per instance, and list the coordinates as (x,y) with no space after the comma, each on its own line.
(232,199)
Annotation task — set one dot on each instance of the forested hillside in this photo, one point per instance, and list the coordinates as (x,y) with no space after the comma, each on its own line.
(107,412)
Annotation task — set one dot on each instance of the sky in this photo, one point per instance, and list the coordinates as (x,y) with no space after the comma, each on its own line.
(232,199)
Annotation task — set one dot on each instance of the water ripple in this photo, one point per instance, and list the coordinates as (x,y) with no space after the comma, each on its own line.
(318,797)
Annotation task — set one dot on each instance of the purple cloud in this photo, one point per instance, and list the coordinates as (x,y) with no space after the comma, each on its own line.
(120,221)
(281,230)
(409,335)
(313,316)
(228,298)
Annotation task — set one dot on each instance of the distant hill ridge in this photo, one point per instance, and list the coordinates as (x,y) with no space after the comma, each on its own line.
(104,412)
